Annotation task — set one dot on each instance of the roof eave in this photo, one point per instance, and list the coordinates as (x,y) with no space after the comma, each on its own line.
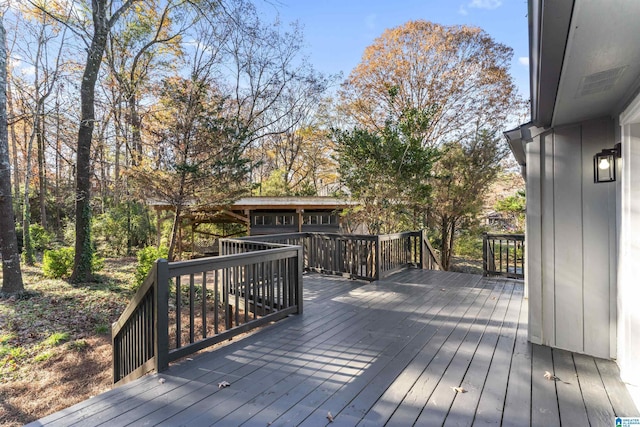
(549,24)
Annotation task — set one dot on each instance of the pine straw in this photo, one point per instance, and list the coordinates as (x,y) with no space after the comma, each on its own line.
(69,377)
(38,376)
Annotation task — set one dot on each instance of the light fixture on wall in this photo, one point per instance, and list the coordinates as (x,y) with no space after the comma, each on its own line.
(604,164)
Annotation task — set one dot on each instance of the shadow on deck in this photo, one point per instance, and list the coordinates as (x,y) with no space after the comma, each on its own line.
(390,352)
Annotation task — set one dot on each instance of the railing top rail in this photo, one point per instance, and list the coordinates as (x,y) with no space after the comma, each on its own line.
(272,245)
(233,260)
(266,237)
(384,237)
(505,236)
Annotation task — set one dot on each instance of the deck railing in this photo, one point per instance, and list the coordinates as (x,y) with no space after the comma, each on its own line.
(365,257)
(503,255)
(183,307)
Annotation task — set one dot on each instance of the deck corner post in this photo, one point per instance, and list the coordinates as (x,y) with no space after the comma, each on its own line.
(378,258)
(423,250)
(485,253)
(161,321)
(299,287)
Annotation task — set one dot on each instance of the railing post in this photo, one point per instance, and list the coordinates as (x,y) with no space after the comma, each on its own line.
(378,258)
(161,309)
(423,249)
(299,289)
(485,253)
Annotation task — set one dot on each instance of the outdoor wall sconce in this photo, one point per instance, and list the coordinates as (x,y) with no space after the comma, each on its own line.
(604,164)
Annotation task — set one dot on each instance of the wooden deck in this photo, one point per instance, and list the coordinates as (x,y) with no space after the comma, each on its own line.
(389,352)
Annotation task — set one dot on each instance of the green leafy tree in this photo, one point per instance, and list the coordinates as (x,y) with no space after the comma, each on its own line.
(387,171)
(514,207)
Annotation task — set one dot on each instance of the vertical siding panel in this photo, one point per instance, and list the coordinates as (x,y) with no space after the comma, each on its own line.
(568,238)
(548,232)
(597,209)
(533,240)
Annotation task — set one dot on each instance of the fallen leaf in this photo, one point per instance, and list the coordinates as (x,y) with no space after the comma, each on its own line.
(443,289)
(223,384)
(459,389)
(548,375)
(330,417)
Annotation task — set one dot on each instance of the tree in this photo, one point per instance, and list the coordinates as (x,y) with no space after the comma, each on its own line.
(44,81)
(104,15)
(515,207)
(199,157)
(11,272)
(387,171)
(459,73)
(462,175)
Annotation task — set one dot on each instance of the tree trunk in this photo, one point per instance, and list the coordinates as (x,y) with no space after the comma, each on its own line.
(101,27)
(174,232)
(58,173)
(136,137)
(14,142)
(11,272)
(27,244)
(42,177)
(83,245)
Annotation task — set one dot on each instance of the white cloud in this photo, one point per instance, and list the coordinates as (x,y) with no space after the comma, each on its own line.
(485,4)
(463,10)
(524,60)
(370,21)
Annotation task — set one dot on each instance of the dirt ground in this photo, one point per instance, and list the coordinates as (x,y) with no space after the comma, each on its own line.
(55,342)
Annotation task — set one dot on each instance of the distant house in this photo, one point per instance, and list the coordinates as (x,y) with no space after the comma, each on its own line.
(271,215)
(255,216)
(496,221)
(583,237)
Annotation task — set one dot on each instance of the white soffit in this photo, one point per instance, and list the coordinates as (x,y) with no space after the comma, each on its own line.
(602,60)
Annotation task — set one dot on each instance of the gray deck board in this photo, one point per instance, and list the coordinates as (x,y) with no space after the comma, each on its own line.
(570,402)
(385,353)
(544,400)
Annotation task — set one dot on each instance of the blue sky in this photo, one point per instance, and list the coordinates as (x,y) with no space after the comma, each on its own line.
(338,31)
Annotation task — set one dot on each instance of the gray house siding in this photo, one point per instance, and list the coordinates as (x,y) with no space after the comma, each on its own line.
(571,240)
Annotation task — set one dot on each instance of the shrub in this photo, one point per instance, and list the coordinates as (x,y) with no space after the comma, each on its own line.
(469,245)
(40,237)
(146,258)
(126,224)
(58,263)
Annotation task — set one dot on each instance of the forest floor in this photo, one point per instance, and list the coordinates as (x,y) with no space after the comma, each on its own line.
(55,341)
(466,265)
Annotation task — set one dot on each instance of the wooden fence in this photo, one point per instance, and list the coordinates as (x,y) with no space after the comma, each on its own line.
(503,255)
(185,306)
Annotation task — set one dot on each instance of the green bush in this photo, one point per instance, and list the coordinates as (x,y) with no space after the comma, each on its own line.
(40,237)
(121,227)
(469,245)
(58,263)
(146,258)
